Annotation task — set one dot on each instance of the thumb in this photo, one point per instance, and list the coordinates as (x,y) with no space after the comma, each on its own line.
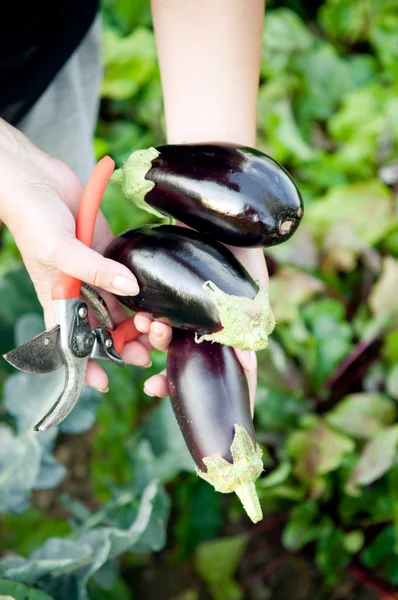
(77,260)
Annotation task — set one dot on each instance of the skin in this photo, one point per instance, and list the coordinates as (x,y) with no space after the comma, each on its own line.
(209,53)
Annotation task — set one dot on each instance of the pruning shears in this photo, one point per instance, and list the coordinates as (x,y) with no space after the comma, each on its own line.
(72,342)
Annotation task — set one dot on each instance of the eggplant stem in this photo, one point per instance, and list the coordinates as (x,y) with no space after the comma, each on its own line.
(247,494)
(240,475)
(131,178)
(246,322)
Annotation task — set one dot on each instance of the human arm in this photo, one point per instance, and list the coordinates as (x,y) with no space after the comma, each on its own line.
(209,56)
(39,199)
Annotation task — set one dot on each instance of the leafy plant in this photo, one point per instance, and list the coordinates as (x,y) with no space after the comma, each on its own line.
(326,410)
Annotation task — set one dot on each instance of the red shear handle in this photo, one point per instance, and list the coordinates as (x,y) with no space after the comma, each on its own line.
(67,286)
(125,332)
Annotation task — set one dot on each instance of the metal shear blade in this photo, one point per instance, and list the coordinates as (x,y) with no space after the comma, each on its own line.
(75,344)
(40,355)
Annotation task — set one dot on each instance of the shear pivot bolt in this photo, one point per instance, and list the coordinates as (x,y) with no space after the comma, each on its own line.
(83,312)
(89,339)
(108,343)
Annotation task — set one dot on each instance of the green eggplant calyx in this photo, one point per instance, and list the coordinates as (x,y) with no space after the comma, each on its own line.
(131,178)
(240,475)
(246,322)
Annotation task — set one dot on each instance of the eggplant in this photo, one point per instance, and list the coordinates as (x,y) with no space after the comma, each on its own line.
(210,400)
(235,194)
(190,282)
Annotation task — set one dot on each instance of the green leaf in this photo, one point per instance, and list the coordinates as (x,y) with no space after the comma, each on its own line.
(27,327)
(61,563)
(43,391)
(42,526)
(120,213)
(375,460)
(383,36)
(320,94)
(392,382)
(279,409)
(358,128)
(390,347)
(128,15)
(317,451)
(277,121)
(289,288)
(302,526)
(20,459)
(363,69)
(271,497)
(130,62)
(330,342)
(163,452)
(121,138)
(332,555)
(18,591)
(345,21)
(382,299)
(362,415)
(276,477)
(352,204)
(320,174)
(380,549)
(284,36)
(216,562)
(18,295)
(354,541)
(193,524)
(51,473)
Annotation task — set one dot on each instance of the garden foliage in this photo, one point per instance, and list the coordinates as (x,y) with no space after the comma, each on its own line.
(326,411)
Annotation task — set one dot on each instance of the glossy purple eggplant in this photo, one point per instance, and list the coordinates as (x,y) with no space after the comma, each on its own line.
(210,399)
(190,282)
(235,194)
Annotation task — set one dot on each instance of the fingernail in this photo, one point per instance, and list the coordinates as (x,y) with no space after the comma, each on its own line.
(157,331)
(147,393)
(125,286)
(148,364)
(104,390)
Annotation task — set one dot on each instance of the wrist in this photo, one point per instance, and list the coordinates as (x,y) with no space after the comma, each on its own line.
(212,129)
(253,260)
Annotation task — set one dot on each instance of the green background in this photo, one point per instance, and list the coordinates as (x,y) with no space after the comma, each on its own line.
(108,505)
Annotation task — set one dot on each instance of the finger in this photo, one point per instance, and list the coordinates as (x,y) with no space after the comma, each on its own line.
(96,377)
(103,235)
(254,261)
(77,260)
(143,322)
(135,353)
(144,340)
(157,385)
(48,309)
(160,335)
(252,383)
(251,377)
(246,358)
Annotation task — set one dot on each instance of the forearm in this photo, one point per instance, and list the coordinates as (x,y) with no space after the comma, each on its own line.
(19,158)
(9,149)
(209,55)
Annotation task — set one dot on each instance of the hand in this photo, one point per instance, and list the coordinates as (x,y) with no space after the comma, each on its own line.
(39,199)
(159,335)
